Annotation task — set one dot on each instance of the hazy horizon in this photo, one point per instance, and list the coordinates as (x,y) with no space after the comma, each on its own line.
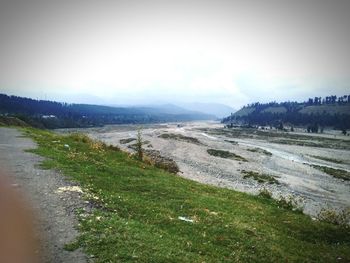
(153,52)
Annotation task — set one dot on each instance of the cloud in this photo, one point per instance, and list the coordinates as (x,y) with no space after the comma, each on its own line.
(219,51)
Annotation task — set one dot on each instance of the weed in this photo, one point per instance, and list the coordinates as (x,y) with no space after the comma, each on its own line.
(155,159)
(128,140)
(281,138)
(12,121)
(265,193)
(113,147)
(138,144)
(327,159)
(291,203)
(232,142)
(180,137)
(72,246)
(336,217)
(258,150)
(337,173)
(226,154)
(260,177)
(80,137)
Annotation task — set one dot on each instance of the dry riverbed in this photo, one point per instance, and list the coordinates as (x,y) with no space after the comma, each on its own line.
(248,160)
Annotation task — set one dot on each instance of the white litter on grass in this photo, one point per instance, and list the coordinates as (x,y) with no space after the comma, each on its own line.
(73,188)
(185,219)
(66,146)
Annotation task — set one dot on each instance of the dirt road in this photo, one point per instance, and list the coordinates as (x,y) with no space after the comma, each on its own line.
(54,210)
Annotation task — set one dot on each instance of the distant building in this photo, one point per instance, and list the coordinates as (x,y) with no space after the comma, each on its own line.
(48,116)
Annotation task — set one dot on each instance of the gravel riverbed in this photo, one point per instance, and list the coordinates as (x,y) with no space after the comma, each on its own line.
(289,164)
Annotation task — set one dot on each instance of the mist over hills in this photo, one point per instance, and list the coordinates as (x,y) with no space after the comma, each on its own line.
(51,114)
(217,109)
(315,113)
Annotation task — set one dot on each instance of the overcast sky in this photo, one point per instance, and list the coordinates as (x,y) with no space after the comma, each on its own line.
(132,52)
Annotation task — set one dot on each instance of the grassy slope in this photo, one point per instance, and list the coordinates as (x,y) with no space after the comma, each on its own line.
(12,121)
(279,109)
(314,109)
(136,215)
(244,111)
(331,109)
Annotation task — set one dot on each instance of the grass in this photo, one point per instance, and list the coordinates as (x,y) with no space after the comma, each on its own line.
(337,217)
(337,173)
(12,122)
(232,142)
(258,150)
(226,154)
(330,108)
(275,110)
(136,216)
(301,143)
(154,158)
(127,140)
(281,138)
(180,137)
(260,177)
(327,159)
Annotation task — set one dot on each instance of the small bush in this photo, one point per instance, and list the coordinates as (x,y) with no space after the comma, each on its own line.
(180,137)
(128,140)
(337,173)
(139,144)
(258,150)
(265,193)
(226,154)
(336,217)
(232,142)
(95,145)
(12,121)
(260,177)
(155,159)
(290,203)
(113,148)
(81,137)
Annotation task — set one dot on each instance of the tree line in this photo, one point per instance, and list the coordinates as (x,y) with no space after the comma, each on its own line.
(52,114)
(291,116)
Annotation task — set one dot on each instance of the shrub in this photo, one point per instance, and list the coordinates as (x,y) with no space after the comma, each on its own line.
(265,193)
(138,145)
(291,203)
(154,158)
(333,216)
(226,154)
(128,140)
(81,137)
(260,177)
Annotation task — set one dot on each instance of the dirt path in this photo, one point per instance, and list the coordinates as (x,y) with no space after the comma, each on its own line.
(54,210)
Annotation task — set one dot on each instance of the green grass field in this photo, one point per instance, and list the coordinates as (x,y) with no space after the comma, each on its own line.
(137,210)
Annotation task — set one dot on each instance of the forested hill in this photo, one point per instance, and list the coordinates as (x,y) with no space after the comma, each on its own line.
(51,114)
(315,113)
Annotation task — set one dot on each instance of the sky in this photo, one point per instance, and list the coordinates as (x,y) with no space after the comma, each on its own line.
(145,52)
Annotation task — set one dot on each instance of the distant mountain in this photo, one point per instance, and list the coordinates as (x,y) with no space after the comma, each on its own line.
(50,114)
(217,109)
(82,98)
(331,111)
